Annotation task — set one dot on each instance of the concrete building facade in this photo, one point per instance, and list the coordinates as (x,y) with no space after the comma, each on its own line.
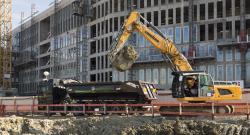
(213,35)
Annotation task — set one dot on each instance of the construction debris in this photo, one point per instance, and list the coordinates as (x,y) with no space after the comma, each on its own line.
(125,58)
(117,125)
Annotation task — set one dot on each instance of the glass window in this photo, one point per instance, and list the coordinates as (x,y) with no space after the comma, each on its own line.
(115,76)
(148,75)
(229,72)
(170,78)
(237,54)
(178,35)
(170,33)
(229,54)
(211,70)
(155,75)
(248,54)
(219,55)
(220,73)
(163,78)
(186,34)
(195,33)
(141,74)
(121,76)
(248,73)
(237,72)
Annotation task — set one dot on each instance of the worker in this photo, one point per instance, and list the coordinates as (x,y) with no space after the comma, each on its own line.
(192,86)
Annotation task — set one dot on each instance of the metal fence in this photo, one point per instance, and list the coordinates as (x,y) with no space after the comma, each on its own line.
(176,109)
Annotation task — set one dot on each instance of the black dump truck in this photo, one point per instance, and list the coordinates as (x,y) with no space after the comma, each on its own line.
(56,91)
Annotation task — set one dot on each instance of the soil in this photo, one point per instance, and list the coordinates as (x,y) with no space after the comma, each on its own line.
(121,125)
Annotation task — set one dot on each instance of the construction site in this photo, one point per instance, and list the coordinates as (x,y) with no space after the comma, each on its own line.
(125,67)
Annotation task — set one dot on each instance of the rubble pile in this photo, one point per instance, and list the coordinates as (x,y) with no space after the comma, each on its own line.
(117,125)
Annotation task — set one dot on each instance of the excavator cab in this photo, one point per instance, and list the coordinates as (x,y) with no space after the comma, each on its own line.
(192,84)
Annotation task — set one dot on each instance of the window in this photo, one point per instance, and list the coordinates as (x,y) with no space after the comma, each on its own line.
(237,72)
(248,73)
(110,25)
(155,76)
(178,15)
(202,33)
(141,75)
(122,5)
(211,70)
(219,9)
(163,17)
(210,10)
(148,3)
(149,16)
(115,24)
(141,3)
(163,2)
(103,10)
(93,64)
(186,34)
(115,5)
(228,8)
(237,54)
(220,73)
(194,33)
(110,6)
(148,75)
(178,35)
(202,12)
(247,6)
(93,47)
(237,7)
(135,4)
(121,20)
(156,18)
(186,14)
(155,2)
(228,30)
(229,72)
(163,76)
(219,31)
(210,31)
(170,33)
(106,8)
(195,13)
(170,16)
(220,55)
(170,1)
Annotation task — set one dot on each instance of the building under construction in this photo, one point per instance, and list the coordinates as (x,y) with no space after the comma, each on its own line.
(212,34)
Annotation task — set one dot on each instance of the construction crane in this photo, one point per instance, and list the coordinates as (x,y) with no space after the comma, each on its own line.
(188,85)
(6,43)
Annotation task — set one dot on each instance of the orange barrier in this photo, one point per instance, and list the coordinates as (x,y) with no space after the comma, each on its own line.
(180,109)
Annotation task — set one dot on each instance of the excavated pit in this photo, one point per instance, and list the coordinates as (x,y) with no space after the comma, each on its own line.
(117,125)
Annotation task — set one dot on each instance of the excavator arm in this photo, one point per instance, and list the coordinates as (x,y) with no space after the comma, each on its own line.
(154,36)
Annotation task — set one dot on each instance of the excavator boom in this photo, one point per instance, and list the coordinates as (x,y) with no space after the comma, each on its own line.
(154,36)
(188,85)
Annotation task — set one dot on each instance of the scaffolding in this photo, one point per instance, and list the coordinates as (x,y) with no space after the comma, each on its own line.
(6,42)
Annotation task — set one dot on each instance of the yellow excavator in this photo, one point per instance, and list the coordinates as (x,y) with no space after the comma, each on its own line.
(188,85)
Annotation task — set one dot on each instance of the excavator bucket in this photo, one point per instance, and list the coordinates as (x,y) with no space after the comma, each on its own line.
(125,58)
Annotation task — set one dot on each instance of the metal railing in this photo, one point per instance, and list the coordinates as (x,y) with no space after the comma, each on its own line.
(177,109)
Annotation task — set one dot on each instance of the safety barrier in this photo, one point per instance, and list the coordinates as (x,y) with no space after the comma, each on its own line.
(173,109)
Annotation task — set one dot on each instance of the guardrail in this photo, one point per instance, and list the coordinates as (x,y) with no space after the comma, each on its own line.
(175,109)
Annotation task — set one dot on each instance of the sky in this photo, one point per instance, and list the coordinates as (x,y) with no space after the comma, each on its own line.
(19,6)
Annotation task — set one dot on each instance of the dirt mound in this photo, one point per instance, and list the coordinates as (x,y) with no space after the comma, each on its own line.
(116,125)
